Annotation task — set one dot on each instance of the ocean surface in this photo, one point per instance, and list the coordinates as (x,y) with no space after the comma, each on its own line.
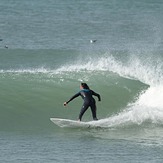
(45,53)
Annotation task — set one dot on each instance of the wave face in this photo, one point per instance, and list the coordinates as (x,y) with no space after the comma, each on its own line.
(35,83)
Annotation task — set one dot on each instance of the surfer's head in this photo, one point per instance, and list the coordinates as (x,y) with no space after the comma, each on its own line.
(84,86)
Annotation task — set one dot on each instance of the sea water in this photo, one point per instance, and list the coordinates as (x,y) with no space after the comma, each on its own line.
(45,53)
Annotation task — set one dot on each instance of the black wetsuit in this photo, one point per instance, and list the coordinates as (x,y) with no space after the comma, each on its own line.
(89,101)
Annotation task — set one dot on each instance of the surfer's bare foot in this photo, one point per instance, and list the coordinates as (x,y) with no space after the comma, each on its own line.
(79,120)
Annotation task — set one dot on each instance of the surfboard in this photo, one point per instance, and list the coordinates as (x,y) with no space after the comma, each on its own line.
(70,123)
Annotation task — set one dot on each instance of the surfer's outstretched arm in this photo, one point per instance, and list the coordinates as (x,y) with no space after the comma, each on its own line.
(76,95)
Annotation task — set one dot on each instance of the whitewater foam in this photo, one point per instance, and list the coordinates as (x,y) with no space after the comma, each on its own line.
(135,115)
(28,70)
(135,68)
(147,72)
(152,97)
(148,108)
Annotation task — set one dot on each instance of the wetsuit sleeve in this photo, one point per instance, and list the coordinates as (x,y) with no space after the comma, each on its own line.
(76,95)
(97,95)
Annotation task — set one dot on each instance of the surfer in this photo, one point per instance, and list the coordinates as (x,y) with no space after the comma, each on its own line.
(86,93)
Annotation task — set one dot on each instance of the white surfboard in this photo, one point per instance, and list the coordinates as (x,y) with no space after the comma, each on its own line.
(70,123)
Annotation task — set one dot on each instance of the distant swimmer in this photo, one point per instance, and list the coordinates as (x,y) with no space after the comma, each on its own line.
(86,93)
(1,39)
(93,41)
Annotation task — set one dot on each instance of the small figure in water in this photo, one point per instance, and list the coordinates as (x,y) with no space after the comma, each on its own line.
(86,93)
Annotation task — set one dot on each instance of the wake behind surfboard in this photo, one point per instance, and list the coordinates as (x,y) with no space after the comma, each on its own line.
(71,123)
